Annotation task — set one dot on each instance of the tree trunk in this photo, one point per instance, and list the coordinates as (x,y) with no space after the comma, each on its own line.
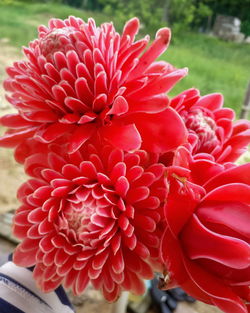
(166,15)
(246,105)
(209,24)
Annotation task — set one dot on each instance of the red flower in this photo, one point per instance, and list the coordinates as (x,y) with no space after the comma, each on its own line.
(93,215)
(82,79)
(206,246)
(210,126)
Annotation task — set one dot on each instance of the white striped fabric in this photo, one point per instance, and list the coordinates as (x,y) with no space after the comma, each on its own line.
(19,294)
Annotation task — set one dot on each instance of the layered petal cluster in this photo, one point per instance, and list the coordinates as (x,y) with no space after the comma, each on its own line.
(124,181)
(211,127)
(94,215)
(206,245)
(85,80)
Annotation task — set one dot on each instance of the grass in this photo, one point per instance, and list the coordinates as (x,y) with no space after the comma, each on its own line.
(214,65)
(18,22)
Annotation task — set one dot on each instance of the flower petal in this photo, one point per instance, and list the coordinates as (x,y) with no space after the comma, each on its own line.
(125,137)
(10,140)
(235,215)
(159,45)
(172,256)
(52,132)
(230,192)
(14,121)
(226,250)
(155,104)
(237,174)
(160,132)
(80,136)
(220,294)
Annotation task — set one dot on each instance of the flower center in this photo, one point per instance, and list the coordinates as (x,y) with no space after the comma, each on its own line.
(79,217)
(76,219)
(204,127)
(87,213)
(56,40)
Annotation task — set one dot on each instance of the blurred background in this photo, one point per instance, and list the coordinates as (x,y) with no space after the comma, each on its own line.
(210,37)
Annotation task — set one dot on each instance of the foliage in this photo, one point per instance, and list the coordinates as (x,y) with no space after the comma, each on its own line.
(237,8)
(179,14)
(149,13)
(202,13)
(245,27)
(181,10)
(8,2)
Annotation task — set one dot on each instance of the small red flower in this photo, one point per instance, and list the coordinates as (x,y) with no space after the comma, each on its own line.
(94,215)
(210,126)
(83,80)
(206,246)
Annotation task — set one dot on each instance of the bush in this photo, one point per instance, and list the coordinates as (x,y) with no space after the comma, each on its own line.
(149,13)
(245,27)
(180,15)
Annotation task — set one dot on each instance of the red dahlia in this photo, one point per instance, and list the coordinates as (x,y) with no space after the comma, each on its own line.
(206,245)
(210,126)
(93,215)
(82,80)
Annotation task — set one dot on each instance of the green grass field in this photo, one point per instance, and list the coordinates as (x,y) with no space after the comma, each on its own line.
(214,65)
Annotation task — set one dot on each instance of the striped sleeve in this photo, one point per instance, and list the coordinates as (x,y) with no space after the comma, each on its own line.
(19,294)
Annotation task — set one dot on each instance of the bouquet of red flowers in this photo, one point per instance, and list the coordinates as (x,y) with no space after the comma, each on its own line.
(125,181)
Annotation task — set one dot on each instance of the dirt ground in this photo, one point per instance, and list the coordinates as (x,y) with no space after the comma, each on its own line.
(8,55)
(11,177)
(11,174)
